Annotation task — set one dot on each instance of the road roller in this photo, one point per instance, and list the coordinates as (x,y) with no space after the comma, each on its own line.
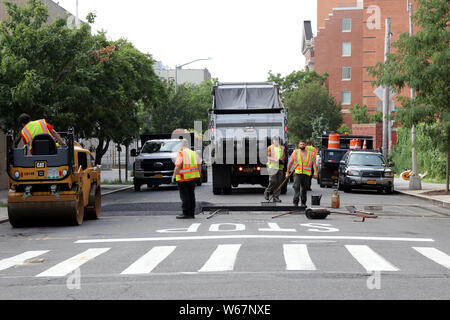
(53,184)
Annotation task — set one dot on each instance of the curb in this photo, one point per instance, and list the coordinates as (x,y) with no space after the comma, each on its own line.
(117,190)
(441,203)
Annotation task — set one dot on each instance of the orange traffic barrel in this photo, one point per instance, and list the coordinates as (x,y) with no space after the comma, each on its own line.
(334,141)
(355,144)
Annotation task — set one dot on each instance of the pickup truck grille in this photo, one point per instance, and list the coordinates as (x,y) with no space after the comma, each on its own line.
(158,165)
(373,174)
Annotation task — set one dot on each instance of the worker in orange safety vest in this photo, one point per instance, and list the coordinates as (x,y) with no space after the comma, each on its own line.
(187,170)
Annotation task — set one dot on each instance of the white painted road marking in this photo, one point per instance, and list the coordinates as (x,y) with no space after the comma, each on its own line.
(297,257)
(435,255)
(20,259)
(256,237)
(222,259)
(150,260)
(369,259)
(64,268)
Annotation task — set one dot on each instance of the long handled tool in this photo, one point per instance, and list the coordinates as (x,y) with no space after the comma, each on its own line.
(278,189)
(357,213)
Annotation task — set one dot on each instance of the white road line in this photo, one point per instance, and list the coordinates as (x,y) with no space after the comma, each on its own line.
(19,259)
(255,237)
(222,259)
(369,259)
(435,255)
(150,260)
(297,257)
(64,268)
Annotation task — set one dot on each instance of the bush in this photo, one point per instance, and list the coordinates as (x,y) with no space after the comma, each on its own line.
(429,158)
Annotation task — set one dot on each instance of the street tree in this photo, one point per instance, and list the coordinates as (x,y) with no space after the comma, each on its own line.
(422,62)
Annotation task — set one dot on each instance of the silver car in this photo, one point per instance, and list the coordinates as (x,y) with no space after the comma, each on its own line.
(361,169)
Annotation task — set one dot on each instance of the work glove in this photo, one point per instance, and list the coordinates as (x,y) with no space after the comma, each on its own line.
(315,175)
(174,179)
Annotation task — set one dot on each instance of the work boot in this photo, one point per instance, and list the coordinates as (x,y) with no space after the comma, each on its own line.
(183,216)
(266,196)
(295,204)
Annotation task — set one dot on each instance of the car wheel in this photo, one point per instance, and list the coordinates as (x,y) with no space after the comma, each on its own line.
(137,187)
(389,190)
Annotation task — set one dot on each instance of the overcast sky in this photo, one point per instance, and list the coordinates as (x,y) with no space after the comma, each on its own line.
(244,38)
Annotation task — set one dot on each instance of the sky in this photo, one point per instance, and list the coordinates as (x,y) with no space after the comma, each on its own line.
(245,39)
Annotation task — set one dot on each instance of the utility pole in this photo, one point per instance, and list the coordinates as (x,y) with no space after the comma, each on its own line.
(387,50)
(414,178)
(77,20)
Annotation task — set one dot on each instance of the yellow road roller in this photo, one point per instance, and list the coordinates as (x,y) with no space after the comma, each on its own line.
(54,184)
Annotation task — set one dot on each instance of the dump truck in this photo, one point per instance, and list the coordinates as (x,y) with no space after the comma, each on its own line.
(242,122)
(329,156)
(155,160)
(53,184)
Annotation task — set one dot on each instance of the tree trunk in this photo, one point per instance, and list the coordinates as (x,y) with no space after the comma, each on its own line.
(101,150)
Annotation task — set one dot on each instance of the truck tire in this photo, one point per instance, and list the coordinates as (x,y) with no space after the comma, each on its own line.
(217,191)
(227,190)
(93,210)
(137,187)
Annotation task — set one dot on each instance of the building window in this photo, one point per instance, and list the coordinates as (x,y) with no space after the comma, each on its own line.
(346,73)
(346,97)
(346,25)
(346,49)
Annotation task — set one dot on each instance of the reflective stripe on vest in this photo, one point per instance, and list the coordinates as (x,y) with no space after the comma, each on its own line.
(305,166)
(33,128)
(276,152)
(313,150)
(189,169)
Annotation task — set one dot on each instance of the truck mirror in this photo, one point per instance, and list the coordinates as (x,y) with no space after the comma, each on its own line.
(342,162)
(133,153)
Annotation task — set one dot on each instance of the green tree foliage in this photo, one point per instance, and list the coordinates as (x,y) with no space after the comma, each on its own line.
(423,62)
(360,115)
(319,126)
(304,104)
(72,78)
(343,129)
(296,80)
(190,103)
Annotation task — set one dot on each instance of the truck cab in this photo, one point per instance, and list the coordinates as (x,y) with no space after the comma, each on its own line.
(155,161)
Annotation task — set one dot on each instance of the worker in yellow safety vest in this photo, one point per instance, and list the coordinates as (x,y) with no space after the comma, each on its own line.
(33,128)
(303,162)
(187,170)
(275,166)
(310,146)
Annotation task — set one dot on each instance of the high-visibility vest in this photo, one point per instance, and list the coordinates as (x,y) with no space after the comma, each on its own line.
(305,166)
(276,152)
(189,169)
(313,150)
(33,128)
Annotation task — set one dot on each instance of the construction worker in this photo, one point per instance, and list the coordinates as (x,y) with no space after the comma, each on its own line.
(275,166)
(303,162)
(33,128)
(310,146)
(187,170)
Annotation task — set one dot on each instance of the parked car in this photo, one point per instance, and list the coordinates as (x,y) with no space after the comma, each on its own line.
(365,170)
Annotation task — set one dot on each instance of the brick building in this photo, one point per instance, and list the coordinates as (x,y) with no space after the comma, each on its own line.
(350,38)
(54,10)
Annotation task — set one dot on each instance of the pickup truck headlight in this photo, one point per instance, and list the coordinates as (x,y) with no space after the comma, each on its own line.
(388,174)
(353,173)
(137,165)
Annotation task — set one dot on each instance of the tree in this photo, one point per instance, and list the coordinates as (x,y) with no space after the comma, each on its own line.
(359,114)
(304,104)
(296,79)
(422,62)
(343,129)
(319,125)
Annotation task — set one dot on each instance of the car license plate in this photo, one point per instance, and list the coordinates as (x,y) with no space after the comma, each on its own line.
(158,175)
(52,173)
(371,182)
(334,177)
(248,170)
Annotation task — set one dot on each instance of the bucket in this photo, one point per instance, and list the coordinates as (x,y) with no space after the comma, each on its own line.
(315,200)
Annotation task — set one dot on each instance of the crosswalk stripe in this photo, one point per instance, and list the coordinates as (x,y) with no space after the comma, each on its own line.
(369,259)
(297,258)
(64,268)
(150,260)
(20,259)
(435,255)
(222,259)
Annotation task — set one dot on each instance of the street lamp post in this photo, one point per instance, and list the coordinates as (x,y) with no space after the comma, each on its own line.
(182,65)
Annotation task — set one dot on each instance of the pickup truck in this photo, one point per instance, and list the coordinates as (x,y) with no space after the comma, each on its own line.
(155,160)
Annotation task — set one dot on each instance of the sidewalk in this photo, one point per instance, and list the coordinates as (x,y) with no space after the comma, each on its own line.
(428,192)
